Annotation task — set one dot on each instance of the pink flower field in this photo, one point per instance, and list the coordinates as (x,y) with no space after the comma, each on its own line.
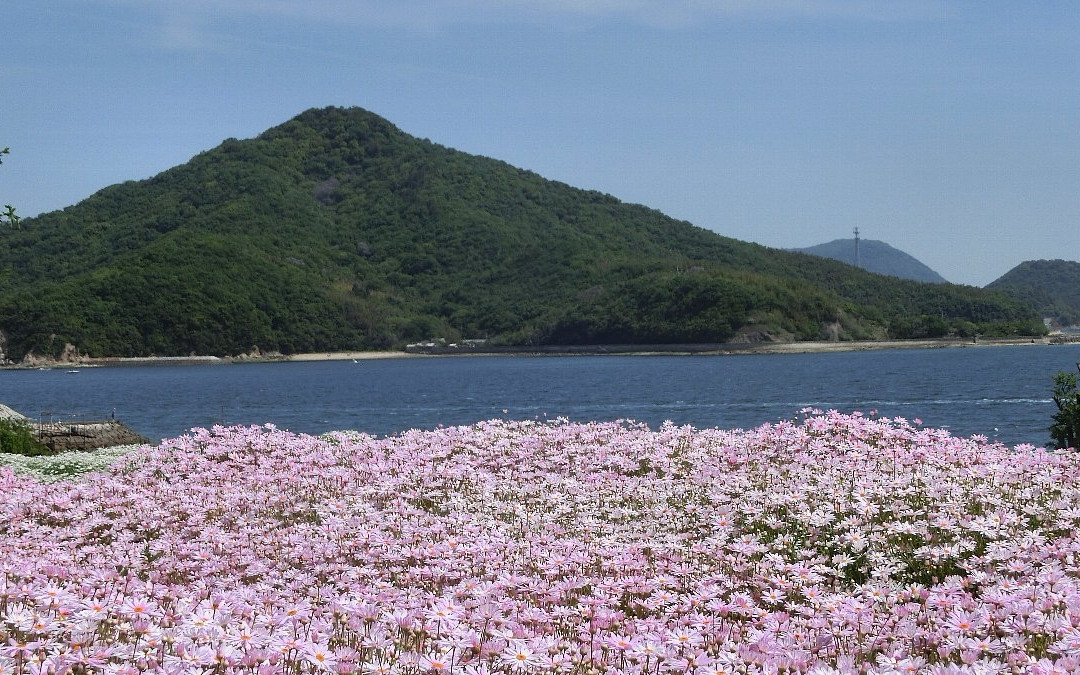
(840,544)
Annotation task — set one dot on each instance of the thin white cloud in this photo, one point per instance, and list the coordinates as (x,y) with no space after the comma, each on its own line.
(434,14)
(675,13)
(183,30)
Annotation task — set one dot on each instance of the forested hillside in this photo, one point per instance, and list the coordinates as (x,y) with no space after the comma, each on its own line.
(336,230)
(1051,286)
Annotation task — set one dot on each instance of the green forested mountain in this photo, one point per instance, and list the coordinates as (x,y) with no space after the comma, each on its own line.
(1051,286)
(877,257)
(336,230)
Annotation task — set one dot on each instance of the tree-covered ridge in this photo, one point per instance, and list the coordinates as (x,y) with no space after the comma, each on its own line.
(1051,286)
(336,230)
(877,257)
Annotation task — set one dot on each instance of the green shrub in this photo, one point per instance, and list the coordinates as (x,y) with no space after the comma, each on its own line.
(1066,427)
(16,438)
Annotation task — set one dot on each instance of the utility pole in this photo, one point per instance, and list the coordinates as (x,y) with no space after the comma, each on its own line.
(857,262)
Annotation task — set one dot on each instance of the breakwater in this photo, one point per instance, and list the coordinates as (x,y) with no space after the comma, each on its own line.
(69,436)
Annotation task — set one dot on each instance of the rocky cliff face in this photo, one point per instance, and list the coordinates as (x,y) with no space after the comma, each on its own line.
(70,354)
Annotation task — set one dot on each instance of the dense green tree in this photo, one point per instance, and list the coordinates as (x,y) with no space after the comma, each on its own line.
(8,216)
(1066,427)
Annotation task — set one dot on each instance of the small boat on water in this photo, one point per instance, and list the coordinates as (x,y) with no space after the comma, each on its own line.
(72,372)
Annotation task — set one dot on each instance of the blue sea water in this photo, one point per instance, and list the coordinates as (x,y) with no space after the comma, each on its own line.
(999,392)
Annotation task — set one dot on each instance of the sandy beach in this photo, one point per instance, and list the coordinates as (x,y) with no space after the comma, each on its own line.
(939,343)
(347,356)
(702,349)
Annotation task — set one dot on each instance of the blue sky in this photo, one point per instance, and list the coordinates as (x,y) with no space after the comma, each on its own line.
(950,130)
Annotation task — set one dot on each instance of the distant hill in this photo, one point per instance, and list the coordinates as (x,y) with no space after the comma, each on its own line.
(336,231)
(1051,286)
(877,257)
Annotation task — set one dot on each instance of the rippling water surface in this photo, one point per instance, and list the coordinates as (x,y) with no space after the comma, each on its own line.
(999,392)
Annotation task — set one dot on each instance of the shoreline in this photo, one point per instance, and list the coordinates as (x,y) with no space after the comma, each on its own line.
(716,349)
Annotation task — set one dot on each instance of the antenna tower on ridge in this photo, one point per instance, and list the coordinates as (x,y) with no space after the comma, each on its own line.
(857,247)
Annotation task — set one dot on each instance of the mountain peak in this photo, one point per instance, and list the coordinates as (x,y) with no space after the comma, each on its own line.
(332,116)
(335,124)
(877,257)
(1051,286)
(338,231)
